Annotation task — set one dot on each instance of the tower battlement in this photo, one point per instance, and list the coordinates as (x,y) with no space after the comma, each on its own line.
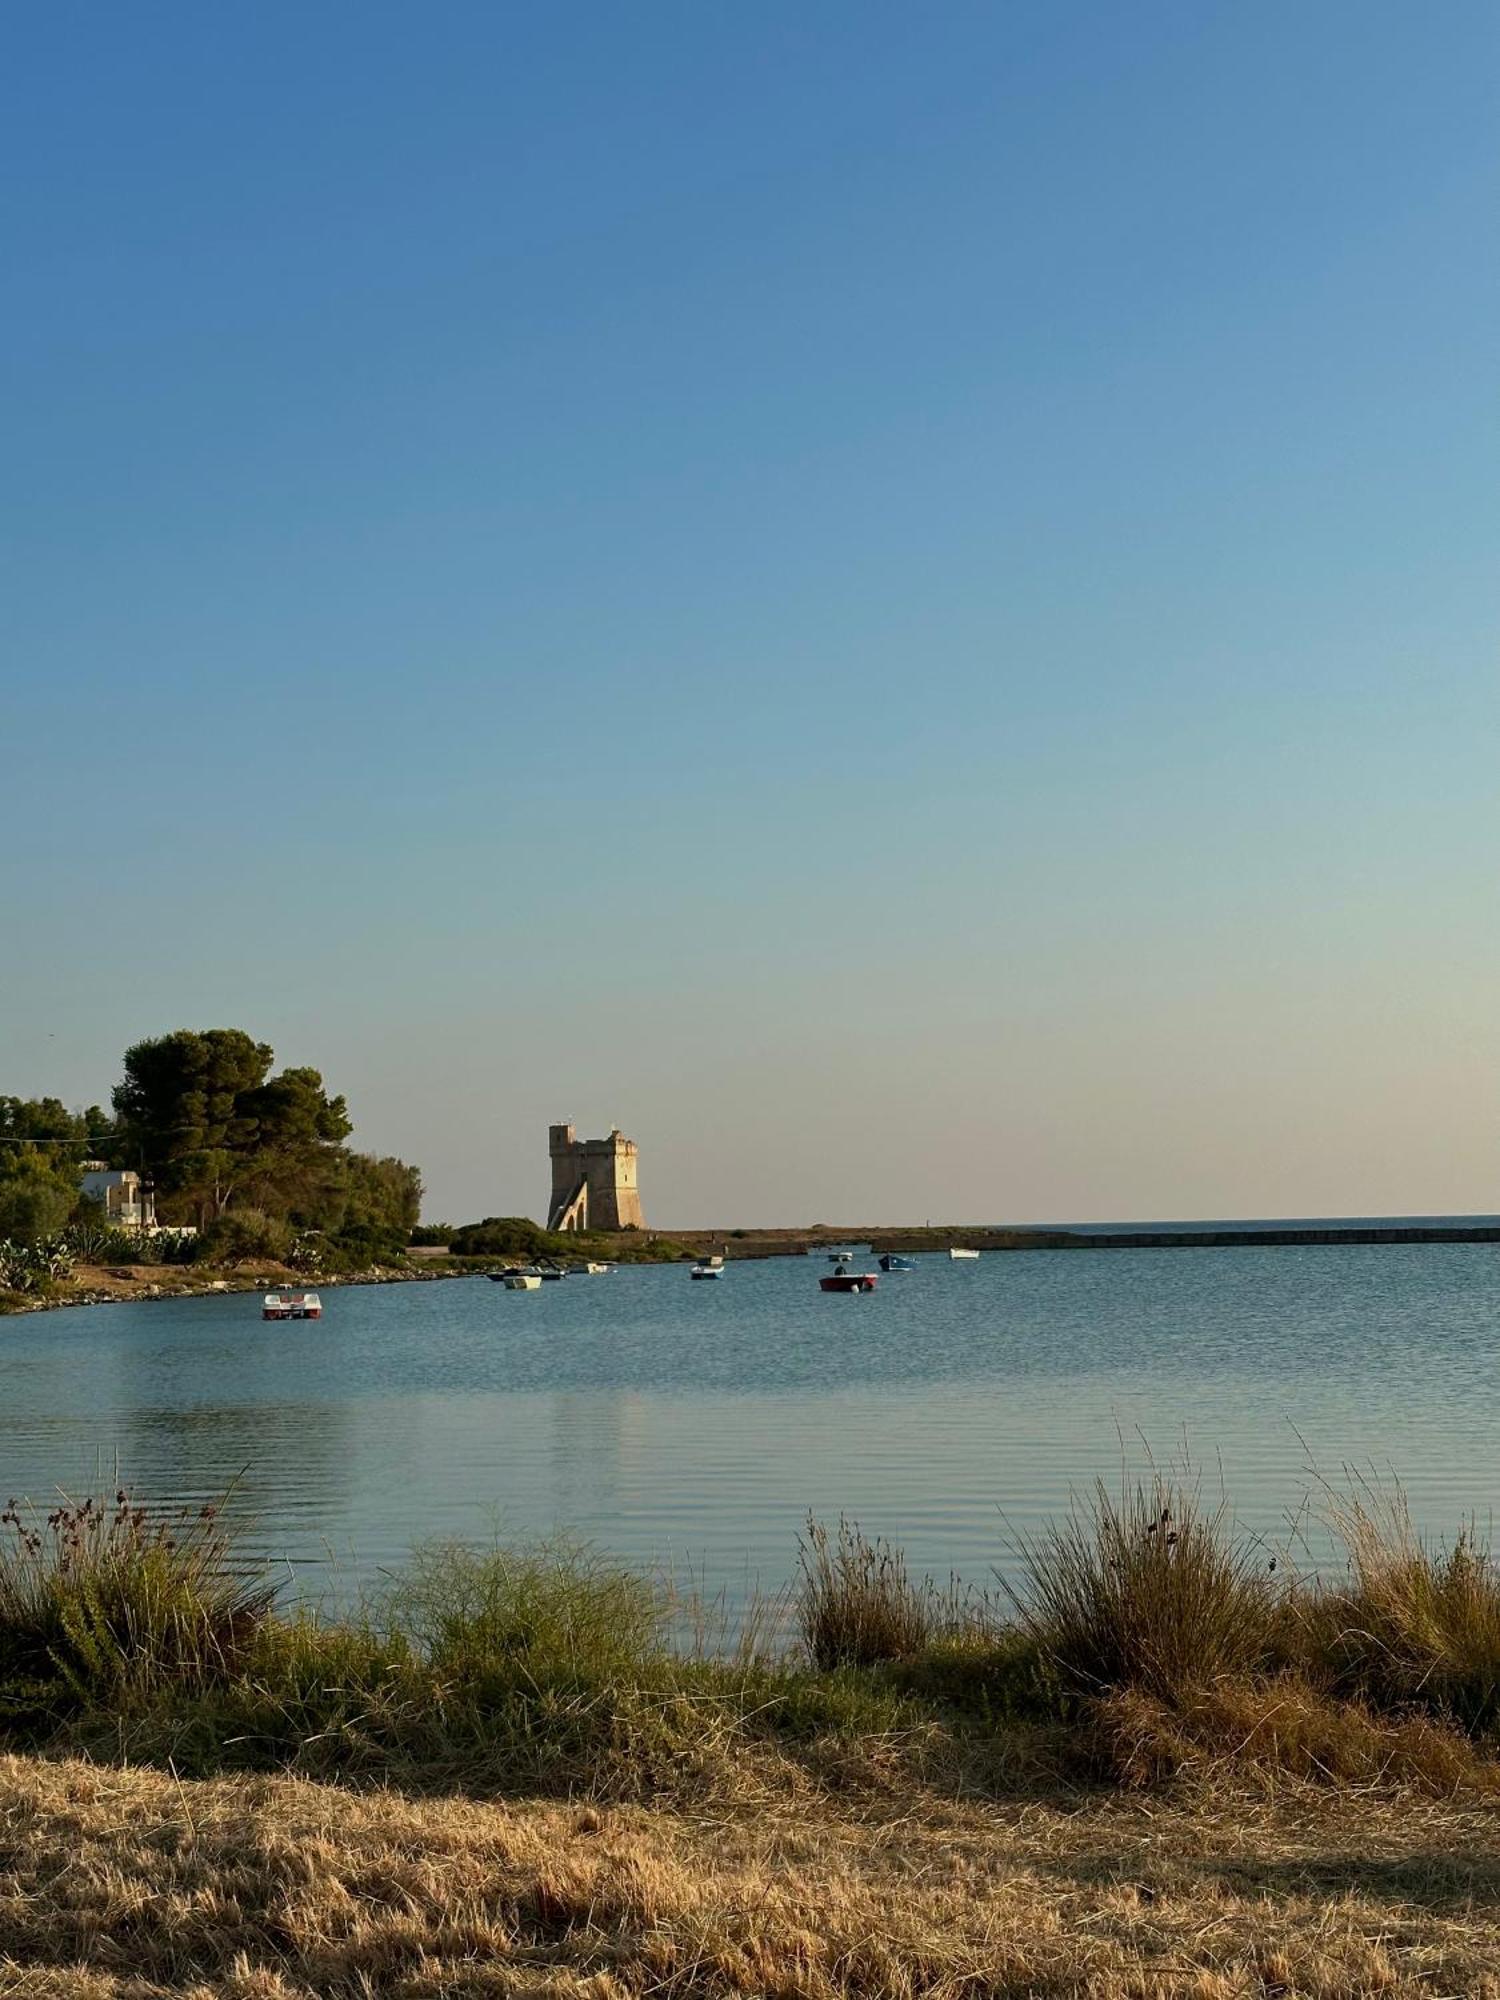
(593,1181)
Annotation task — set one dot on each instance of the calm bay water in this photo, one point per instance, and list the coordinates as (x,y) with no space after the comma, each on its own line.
(695,1425)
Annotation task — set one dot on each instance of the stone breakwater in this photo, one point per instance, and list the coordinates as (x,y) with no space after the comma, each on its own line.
(809,1242)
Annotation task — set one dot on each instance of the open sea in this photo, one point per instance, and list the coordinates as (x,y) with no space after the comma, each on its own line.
(693,1427)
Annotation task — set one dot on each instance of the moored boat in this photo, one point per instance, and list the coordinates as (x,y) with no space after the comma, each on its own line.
(847,1281)
(707,1267)
(889,1261)
(282,1304)
(522,1281)
(957,1254)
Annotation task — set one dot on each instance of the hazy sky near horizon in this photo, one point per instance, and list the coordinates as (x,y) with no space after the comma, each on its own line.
(900,601)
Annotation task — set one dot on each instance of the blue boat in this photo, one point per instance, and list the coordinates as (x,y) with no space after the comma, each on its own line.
(889,1261)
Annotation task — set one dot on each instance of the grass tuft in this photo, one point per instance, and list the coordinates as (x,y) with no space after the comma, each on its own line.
(1416,1626)
(103,1605)
(1149,1591)
(858,1605)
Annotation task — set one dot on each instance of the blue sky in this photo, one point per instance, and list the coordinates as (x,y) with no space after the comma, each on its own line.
(900,601)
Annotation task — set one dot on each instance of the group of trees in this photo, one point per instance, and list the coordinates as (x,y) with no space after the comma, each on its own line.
(255,1161)
(42,1147)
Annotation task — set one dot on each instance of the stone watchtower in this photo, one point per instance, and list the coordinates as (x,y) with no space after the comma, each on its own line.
(593,1181)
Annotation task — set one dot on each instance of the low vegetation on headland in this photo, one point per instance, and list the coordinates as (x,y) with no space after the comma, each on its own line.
(1156,1765)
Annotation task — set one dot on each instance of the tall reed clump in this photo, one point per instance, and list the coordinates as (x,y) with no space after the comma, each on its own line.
(857,1605)
(1414,1626)
(102,1606)
(1149,1591)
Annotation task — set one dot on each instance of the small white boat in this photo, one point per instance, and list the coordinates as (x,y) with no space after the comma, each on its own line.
(956,1254)
(708,1267)
(523,1281)
(587,1270)
(291,1305)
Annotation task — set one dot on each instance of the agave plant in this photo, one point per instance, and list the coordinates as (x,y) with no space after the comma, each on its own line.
(53,1258)
(98,1243)
(26,1267)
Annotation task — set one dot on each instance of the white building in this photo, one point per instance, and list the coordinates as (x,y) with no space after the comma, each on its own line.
(127,1201)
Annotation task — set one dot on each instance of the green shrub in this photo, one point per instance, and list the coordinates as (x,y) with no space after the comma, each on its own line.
(989,1675)
(501,1236)
(541,1611)
(244,1235)
(361,1246)
(37,1194)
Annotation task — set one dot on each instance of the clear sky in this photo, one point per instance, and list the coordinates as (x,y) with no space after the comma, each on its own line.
(899,600)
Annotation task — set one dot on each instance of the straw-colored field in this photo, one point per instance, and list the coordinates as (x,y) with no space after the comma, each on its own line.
(128,1885)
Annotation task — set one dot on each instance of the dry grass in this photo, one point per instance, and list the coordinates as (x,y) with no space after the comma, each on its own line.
(126,1885)
(1415,1626)
(1262,1733)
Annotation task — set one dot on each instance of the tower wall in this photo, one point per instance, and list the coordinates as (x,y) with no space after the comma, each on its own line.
(607,1172)
(566,1167)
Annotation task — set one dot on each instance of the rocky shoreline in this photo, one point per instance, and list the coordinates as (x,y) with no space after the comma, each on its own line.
(121,1284)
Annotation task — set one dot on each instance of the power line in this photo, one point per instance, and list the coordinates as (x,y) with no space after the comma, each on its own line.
(100,1138)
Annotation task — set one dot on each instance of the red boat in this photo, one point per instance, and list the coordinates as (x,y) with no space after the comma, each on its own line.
(848,1281)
